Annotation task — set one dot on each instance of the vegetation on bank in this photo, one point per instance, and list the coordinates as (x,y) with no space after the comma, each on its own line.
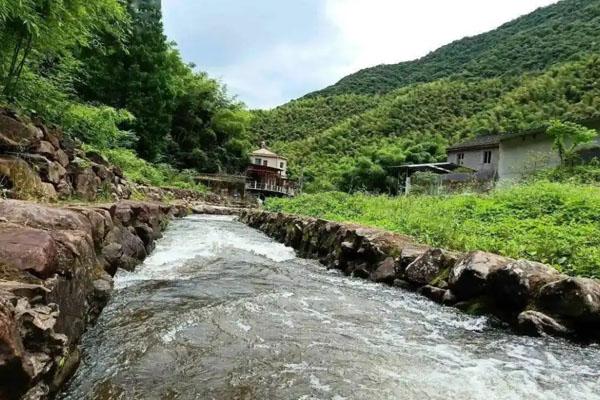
(104,71)
(550,222)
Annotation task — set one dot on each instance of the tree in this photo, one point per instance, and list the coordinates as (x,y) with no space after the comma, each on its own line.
(39,33)
(568,136)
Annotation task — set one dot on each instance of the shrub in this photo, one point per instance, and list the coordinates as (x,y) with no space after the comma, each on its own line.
(554,223)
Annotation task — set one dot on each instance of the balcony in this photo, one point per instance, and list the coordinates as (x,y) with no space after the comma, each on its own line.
(263,187)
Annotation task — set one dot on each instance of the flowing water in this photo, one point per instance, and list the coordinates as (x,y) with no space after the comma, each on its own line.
(220,311)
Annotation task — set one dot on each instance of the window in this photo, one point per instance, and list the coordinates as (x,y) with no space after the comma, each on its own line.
(257,161)
(487,157)
(460,158)
(281,165)
(265,163)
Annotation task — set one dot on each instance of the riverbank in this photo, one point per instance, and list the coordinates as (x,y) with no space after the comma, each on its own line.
(533,298)
(554,223)
(57,265)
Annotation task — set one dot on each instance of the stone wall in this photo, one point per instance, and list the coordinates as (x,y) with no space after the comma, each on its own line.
(56,268)
(37,161)
(532,298)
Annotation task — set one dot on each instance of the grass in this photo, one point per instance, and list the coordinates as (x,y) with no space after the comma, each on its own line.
(549,222)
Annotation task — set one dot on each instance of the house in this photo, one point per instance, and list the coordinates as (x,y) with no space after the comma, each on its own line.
(506,157)
(267,174)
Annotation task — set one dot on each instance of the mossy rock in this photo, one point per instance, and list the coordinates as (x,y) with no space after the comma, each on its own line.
(477,306)
(441,280)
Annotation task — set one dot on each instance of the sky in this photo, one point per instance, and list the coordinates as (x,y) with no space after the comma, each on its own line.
(268,52)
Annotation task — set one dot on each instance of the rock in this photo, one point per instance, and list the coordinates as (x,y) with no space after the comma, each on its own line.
(64,189)
(15,371)
(97,158)
(408,255)
(16,135)
(429,265)
(576,299)
(28,249)
(385,272)
(62,158)
(49,191)
(17,175)
(86,185)
(102,171)
(46,149)
(42,217)
(468,278)
(52,138)
(516,284)
(361,271)
(534,323)
(433,293)
(402,284)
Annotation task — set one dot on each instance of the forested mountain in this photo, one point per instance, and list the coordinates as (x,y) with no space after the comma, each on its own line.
(541,66)
(558,33)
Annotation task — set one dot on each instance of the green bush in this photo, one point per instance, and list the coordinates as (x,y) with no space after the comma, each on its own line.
(145,173)
(554,223)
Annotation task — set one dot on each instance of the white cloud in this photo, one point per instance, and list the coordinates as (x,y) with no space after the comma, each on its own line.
(389,31)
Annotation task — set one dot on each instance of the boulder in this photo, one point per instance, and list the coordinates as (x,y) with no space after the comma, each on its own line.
(52,137)
(516,284)
(62,158)
(97,158)
(46,149)
(468,278)
(49,191)
(85,184)
(15,371)
(385,272)
(64,189)
(28,249)
(42,217)
(408,255)
(16,135)
(17,175)
(534,323)
(433,293)
(429,265)
(575,299)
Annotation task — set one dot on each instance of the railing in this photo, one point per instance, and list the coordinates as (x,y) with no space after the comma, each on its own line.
(289,191)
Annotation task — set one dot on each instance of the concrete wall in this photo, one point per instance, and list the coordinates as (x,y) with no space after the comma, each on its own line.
(522,155)
(474,160)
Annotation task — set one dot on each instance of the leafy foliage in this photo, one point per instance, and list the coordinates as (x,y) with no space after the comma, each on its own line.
(568,136)
(548,222)
(414,124)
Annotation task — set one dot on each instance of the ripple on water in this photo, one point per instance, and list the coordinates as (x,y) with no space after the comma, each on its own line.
(219,311)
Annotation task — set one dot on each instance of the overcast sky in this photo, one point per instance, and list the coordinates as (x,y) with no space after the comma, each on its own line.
(271,51)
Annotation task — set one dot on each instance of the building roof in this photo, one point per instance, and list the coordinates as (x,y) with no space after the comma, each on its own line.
(494,140)
(265,152)
(478,142)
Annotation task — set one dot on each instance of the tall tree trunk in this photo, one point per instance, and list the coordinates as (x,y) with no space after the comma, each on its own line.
(13,65)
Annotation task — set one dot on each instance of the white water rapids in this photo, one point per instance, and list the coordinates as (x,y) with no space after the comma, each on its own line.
(220,311)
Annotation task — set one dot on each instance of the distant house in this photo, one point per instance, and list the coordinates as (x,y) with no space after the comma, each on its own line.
(267,174)
(505,157)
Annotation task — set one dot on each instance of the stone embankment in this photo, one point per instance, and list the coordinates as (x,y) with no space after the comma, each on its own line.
(533,298)
(56,268)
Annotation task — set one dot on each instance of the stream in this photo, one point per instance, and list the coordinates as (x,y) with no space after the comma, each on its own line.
(220,311)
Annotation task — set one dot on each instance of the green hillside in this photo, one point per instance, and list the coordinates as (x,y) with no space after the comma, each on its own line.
(347,141)
(558,33)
